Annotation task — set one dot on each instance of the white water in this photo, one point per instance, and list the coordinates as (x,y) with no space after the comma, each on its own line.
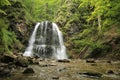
(29,50)
(61,50)
(46,41)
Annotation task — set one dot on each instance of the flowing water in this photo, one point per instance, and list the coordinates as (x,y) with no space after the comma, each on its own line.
(29,49)
(53,70)
(46,41)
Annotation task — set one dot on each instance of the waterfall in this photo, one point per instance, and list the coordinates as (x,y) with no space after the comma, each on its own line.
(29,50)
(46,41)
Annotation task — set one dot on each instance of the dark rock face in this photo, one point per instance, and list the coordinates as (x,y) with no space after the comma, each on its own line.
(28,70)
(7,59)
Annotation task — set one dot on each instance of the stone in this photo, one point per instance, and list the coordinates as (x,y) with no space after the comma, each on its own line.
(110,72)
(62,69)
(5,72)
(91,74)
(21,61)
(28,70)
(64,60)
(55,77)
(90,61)
(52,64)
(33,61)
(108,61)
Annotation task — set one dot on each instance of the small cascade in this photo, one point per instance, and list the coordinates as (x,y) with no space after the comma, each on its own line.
(29,50)
(46,42)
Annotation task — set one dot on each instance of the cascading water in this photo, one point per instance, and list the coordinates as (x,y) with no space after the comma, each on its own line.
(46,41)
(29,49)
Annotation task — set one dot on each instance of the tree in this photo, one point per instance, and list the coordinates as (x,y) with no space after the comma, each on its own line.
(42,10)
(106,11)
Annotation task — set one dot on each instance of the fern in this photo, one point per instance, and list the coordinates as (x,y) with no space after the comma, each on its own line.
(7,38)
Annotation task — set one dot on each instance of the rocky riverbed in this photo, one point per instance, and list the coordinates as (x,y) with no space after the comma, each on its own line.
(48,69)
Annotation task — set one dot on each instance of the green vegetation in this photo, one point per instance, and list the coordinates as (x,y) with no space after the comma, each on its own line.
(89,26)
(87,23)
(42,10)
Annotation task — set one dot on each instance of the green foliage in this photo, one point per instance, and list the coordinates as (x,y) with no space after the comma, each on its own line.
(2,4)
(84,22)
(6,38)
(42,10)
(107,9)
(14,14)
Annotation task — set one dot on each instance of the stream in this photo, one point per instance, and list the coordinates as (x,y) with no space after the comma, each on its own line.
(74,70)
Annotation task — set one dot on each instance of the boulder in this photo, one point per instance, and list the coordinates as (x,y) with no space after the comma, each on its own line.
(91,74)
(21,61)
(110,72)
(28,70)
(109,61)
(62,69)
(55,77)
(5,72)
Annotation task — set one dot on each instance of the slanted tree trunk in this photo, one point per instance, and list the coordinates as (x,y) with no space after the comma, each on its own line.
(83,51)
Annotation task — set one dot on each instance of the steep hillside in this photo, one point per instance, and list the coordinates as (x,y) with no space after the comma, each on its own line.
(88,37)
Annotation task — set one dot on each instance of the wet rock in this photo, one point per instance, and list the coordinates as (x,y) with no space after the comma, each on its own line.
(43,65)
(90,61)
(110,72)
(36,62)
(33,61)
(52,64)
(64,60)
(62,69)
(28,70)
(8,58)
(91,74)
(47,64)
(21,61)
(55,77)
(30,60)
(108,61)
(5,72)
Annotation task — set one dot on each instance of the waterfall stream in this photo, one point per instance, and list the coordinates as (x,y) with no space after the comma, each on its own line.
(29,49)
(46,41)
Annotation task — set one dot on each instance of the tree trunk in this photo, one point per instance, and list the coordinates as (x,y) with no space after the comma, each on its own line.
(83,51)
(99,23)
